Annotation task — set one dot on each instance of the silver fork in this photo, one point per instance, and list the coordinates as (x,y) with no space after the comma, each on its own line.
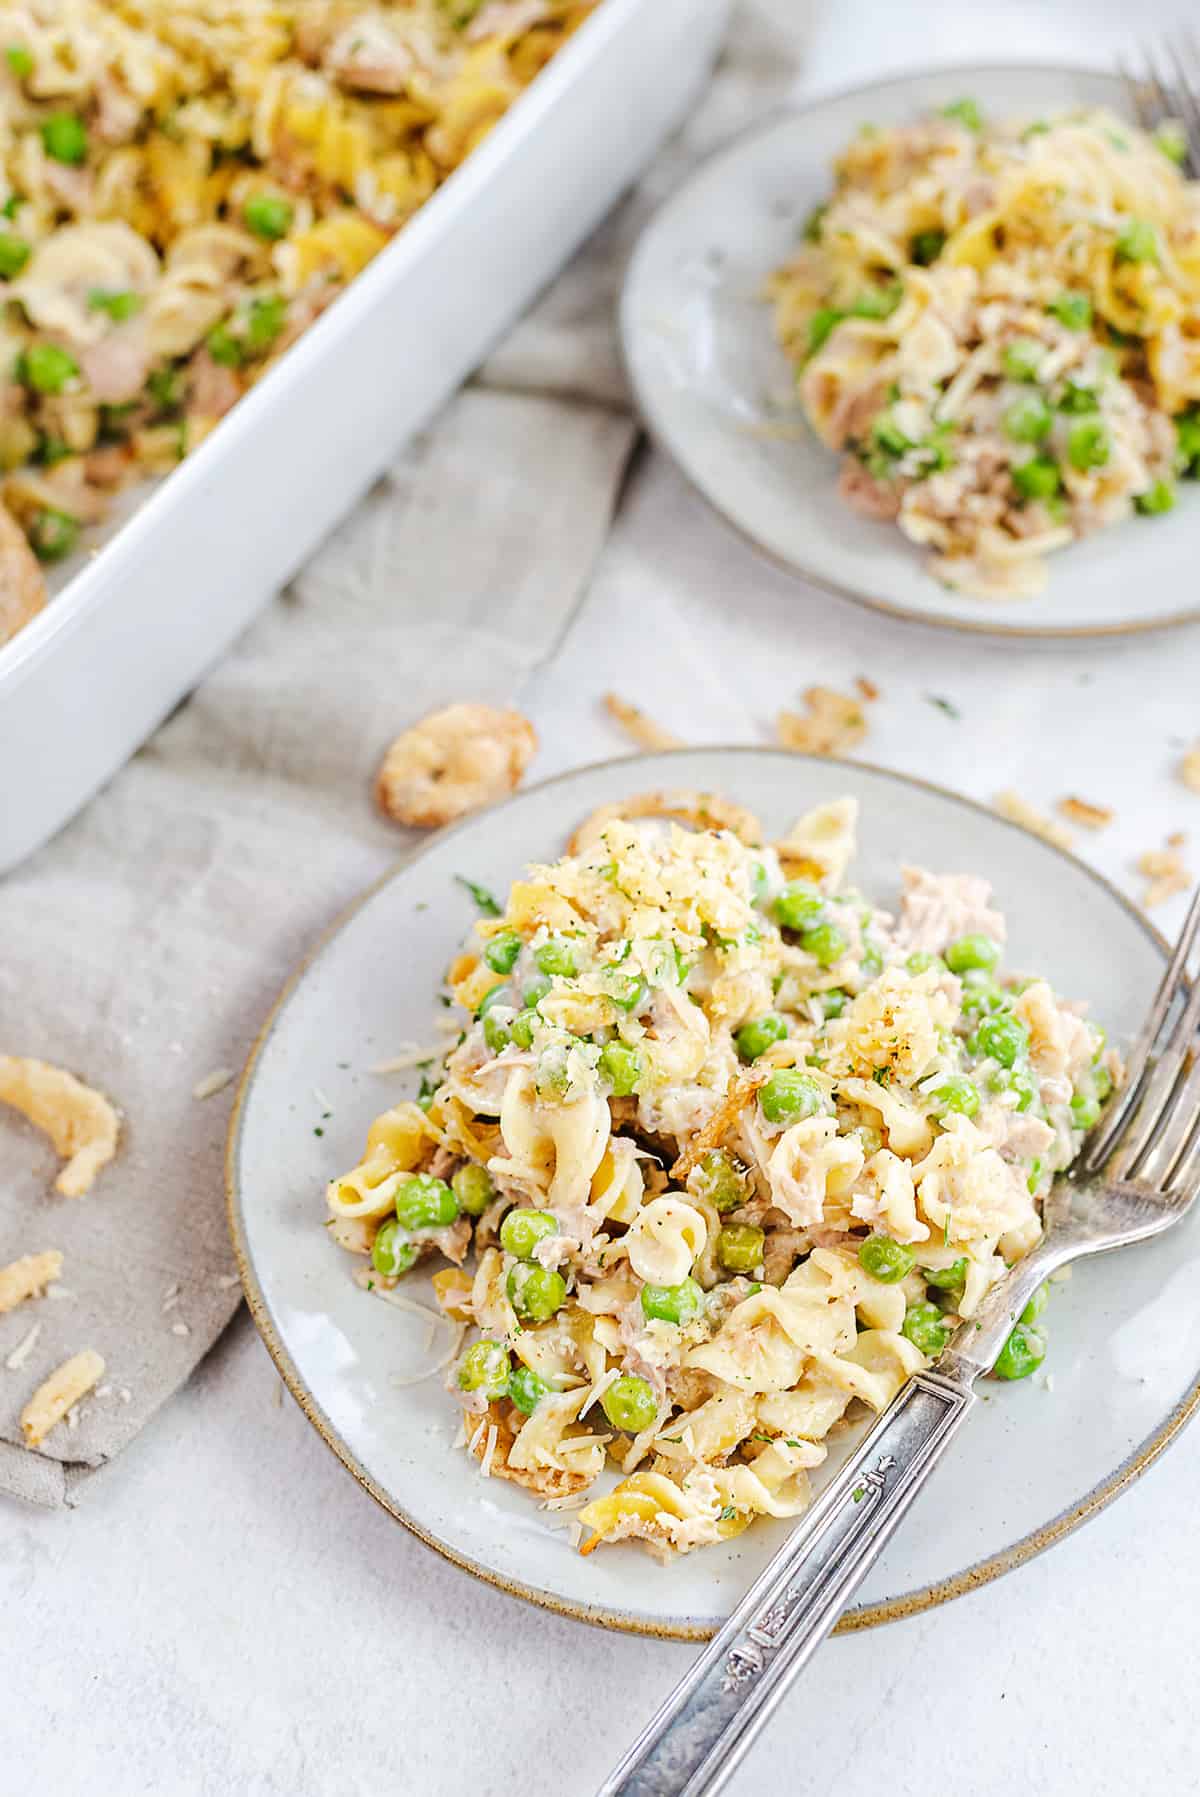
(1173,100)
(1137,1175)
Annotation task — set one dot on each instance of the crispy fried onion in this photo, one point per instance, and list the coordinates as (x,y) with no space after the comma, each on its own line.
(714,1132)
(453,762)
(80,1121)
(703,810)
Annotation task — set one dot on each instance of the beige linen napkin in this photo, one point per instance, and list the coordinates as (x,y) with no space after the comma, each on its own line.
(143,946)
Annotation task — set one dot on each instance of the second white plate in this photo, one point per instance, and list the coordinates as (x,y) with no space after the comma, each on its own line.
(1034,1463)
(718,394)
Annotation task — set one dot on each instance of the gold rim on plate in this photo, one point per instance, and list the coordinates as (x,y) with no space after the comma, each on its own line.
(865,1616)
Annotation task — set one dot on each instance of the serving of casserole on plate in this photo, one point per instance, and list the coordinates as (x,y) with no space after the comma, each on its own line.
(775,1267)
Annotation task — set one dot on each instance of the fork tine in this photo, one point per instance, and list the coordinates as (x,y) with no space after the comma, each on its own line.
(1185,1175)
(1155,1106)
(1177,1124)
(1136,89)
(1127,1100)
(1185,92)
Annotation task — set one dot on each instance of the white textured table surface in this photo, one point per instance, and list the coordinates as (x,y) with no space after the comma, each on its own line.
(228,1613)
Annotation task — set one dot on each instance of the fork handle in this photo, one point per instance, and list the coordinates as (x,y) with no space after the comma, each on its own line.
(707,1723)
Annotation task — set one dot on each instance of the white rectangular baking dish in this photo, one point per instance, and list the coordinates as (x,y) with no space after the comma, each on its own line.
(89,678)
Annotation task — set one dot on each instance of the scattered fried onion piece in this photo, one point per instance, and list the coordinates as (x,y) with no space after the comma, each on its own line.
(1189,768)
(719,1124)
(835,723)
(452,762)
(80,1121)
(28,1277)
(641,727)
(1012,806)
(1166,874)
(1081,811)
(55,1396)
(705,810)
(866,687)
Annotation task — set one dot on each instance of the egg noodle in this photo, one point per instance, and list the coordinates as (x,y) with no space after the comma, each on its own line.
(731,1152)
(186,184)
(999,324)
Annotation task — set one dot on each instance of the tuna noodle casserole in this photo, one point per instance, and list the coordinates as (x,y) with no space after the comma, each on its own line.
(184,186)
(731,1153)
(999,324)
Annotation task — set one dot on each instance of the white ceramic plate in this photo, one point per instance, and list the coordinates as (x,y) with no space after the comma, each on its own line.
(1125,1331)
(714,388)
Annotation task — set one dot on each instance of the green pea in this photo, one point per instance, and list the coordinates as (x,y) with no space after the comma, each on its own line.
(887,436)
(526,1389)
(119,305)
(1103,1081)
(628,991)
(535,1292)
(392,1253)
(1038,478)
(759,883)
(496,995)
(224,347)
(927,246)
(522,1230)
(886,1260)
(920,961)
(621,1067)
(1137,241)
(1003,1037)
(19,60)
(680,1304)
(268,215)
(629,1404)
(825,943)
(925,1328)
(423,1202)
(485,1367)
(556,956)
(1077,399)
(1022,358)
(1087,444)
(265,319)
(14,254)
(1015,1079)
(719,1179)
(755,1037)
(1187,440)
(536,990)
(47,368)
(968,952)
(981,993)
(966,112)
(1171,138)
(472,1186)
(799,905)
(833,1002)
(951,1279)
(496,1033)
(1085,1112)
(957,1094)
(877,302)
(1073,310)
(65,137)
(1035,1176)
(789,1095)
(872,962)
(1028,419)
(1035,1306)
(522,1028)
(821,326)
(53,534)
(1156,499)
(1022,1354)
(503,951)
(740,1247)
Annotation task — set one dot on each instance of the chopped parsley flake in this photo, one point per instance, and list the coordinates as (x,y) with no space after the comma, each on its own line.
(481,895)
